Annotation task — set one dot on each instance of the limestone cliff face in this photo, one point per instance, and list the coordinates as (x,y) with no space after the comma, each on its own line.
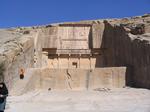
(119,42)
(16,52)
(128,44)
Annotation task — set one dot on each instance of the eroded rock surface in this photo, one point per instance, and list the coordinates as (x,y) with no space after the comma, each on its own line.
(80,45)
(16,51)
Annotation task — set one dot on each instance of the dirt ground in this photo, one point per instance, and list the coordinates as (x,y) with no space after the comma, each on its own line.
(100,100)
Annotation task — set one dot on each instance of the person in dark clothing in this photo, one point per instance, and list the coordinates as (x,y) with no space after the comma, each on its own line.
(3,96)
(21,73)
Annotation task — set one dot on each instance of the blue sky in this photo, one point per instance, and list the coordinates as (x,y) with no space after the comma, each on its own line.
(15,13)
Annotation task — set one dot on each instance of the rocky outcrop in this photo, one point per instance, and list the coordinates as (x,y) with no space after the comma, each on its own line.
(16,52)
(101,43)
(128,44)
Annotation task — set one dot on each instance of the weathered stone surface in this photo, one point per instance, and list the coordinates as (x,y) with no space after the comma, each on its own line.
(97,35)
(123,42)
(70,79)
(80,45)
(30,82)
(65,37)
(17,52)
(128,50)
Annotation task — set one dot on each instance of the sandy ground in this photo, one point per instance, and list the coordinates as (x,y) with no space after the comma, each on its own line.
(118,100)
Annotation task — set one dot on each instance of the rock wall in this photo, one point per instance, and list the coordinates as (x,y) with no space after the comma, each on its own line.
(68,37)
(82,79)
(31,82)
(70,79)
(126,49)
(123,42)
(111,42)
(17,51)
